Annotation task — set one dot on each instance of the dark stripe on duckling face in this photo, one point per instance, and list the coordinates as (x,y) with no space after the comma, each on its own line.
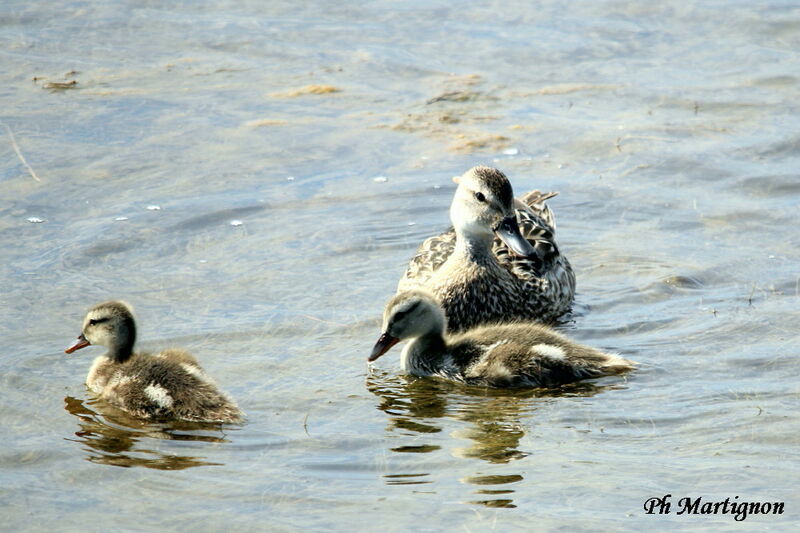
(400,314)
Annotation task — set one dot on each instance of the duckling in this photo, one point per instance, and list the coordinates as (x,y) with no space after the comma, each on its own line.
(520,354)
(486,269)
(167,385)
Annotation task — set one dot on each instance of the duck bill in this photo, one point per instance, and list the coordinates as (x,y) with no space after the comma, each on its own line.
(508,232)
(78,344)
(385,342)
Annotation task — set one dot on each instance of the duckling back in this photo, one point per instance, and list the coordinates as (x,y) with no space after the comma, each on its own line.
(532,355)
(169,385)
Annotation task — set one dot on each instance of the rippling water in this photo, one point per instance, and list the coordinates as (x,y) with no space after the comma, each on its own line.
(215,165)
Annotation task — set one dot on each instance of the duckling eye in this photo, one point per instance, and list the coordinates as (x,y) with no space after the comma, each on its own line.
(95,321)
(480,197)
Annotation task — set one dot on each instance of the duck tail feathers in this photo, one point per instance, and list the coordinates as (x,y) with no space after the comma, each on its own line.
(534,202)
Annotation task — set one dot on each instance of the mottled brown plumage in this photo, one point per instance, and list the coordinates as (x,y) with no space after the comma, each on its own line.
(476,275)
(519,354)
(167,385)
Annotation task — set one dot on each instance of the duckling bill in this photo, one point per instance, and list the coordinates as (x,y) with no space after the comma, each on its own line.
(519,354)
(167,385)
(384,344)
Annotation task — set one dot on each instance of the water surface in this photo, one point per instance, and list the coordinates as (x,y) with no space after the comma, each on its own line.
(215,165)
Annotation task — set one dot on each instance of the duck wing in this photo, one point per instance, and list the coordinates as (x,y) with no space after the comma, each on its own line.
(431,254)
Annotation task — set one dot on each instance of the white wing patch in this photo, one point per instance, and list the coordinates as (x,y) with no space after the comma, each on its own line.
(491,347)
(159,395)
(119,379)
(550,351)
(197,372)
(490,367)
(498,370)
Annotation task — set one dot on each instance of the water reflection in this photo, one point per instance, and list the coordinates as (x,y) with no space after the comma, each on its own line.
(506,502)
(495,424)
(111,437)
(407,479)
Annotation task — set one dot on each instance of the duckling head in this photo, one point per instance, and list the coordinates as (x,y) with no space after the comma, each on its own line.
(483,206)
(108,324)
(409,315)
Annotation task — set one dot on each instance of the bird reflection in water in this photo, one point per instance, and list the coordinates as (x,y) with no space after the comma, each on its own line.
(111,436)
(496,422)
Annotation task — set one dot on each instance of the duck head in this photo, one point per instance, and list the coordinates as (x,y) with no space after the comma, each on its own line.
(409,315)
(108,324)
(483,206)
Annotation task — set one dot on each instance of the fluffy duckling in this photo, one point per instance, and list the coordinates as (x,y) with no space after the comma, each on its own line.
(168,385)
(512,355)
(486,269)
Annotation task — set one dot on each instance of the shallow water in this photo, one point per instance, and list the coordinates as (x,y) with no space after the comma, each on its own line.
(670,130)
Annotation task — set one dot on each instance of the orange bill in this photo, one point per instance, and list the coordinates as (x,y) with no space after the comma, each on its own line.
(78,344)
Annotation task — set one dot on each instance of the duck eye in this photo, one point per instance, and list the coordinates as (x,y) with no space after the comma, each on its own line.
(480,197)
(95,321)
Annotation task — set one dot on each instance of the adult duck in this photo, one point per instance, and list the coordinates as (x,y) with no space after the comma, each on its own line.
(500,261)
